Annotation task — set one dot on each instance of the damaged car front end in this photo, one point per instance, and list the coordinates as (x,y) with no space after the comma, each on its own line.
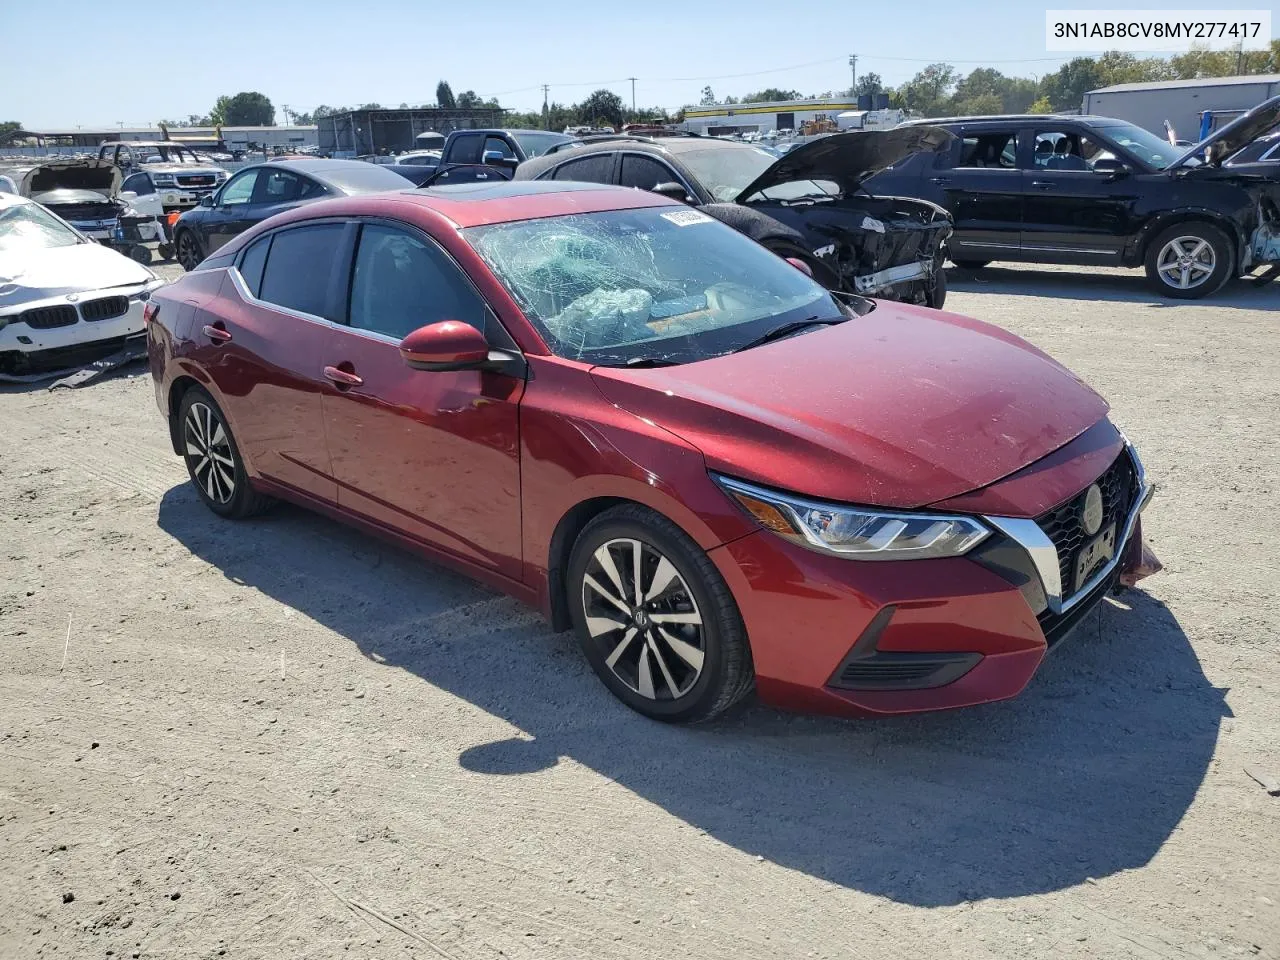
(64,299)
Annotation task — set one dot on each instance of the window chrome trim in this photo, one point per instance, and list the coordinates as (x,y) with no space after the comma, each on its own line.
(242,289)
(1044,555)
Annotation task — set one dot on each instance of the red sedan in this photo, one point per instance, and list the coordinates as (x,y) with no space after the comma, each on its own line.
(629,415)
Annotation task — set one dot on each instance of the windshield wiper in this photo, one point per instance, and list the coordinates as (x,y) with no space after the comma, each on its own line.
(784,329)
(651,362)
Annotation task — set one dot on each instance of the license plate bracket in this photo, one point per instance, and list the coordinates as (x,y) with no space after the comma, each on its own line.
(1094,554)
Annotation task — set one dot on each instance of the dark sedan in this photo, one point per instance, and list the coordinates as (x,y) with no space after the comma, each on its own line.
(808,206)
(263,190)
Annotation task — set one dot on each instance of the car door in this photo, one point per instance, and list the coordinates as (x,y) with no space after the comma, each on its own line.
(980,184)
(261,343)
(434,455)
(1072,214)
(140,193)
(232,210)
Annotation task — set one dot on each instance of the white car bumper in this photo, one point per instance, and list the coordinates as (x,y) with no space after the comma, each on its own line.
(22,337)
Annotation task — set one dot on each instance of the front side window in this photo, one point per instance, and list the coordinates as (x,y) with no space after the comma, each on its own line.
(645,172)
(401,282)
(466,148)
(139,184)
(300,264)
(1067,150)
(499,146)
(28,226)
(597,168)
(659,284)
(239,189)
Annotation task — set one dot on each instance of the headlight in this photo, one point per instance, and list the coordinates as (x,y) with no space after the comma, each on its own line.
(221,175)
(859,533)
(163,180)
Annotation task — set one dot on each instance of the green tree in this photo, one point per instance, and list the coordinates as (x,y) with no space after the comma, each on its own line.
(928,91)
(1117,66)
(444,96)
(1065,88)
(1040,105)
(8,130)
(250,109)
(468,100)
(770,95)
(984,104)
(869,84)
(708,97)
(602,106)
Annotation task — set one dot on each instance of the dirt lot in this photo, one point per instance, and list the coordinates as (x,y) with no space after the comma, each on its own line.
(284,739)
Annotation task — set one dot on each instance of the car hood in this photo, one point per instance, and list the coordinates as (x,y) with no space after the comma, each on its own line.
(848,159)
(27,275)
(81,173)
(1237,134)
(900,408)
(58,197)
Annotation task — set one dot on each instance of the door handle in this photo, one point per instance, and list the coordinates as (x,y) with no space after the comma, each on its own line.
(342,378)
(940,181)
(1043,184)
(216,334)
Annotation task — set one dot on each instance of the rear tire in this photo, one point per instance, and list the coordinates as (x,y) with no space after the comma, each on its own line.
(1189,261)
(213,460)
(675,649)
(970,264)
(938,295)
(188,250)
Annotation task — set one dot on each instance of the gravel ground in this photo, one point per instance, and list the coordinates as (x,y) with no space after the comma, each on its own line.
(285,739)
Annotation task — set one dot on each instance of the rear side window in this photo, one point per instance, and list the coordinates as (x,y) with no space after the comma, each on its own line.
(597,168)
(251,264)
(997,150)
(298,270)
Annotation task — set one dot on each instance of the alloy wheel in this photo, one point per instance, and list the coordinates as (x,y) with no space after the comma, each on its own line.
(641,612)
(209,453)
(188,255)
(1186,262)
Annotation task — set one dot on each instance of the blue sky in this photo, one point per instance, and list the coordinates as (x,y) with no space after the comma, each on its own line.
(392,51)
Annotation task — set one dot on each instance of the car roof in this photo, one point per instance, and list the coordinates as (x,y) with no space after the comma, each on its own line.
(1087,119)
(316,166)
(673,146)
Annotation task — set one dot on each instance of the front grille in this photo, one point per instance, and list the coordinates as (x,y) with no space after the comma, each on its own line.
(1062,525)
(46,318)
(196,180)
(82,212)
(106,308)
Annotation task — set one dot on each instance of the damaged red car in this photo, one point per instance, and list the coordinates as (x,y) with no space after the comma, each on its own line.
(720,474)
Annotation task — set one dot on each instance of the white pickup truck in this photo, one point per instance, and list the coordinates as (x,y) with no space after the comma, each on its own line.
(170,170)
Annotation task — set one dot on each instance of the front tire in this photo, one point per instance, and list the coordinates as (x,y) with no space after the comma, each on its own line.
(213,460)
(1189,260)
(655,618)
(189,254)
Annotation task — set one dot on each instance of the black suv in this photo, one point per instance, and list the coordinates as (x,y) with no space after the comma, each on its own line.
(1092,190)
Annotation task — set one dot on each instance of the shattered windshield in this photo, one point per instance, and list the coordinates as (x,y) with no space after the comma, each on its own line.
(28,226)
(726,171)
(659,284)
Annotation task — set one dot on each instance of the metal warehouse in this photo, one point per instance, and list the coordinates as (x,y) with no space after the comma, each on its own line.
(236,138)
(358,132)
(1181,102)
(718,119)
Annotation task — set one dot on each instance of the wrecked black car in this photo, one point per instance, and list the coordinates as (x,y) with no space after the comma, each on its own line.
(1098,191)
(808,205)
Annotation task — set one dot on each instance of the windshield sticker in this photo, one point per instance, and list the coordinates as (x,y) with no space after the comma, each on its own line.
(686,218)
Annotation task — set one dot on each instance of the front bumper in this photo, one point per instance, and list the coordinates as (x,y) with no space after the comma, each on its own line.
(24,346)
(837,636)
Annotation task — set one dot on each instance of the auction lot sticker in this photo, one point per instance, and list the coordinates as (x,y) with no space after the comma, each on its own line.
(1156,31)
(686,218)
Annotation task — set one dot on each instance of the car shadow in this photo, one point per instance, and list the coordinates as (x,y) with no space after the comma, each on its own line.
(126,371)
(1090,283)
(1087,773)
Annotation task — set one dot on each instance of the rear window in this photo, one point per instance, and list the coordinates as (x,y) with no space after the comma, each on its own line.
(298,270)
(365,178)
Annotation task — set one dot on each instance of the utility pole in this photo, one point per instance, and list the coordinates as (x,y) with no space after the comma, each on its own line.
(853,67)
(287,121)
(633,95)
(546,111)
(1240,57)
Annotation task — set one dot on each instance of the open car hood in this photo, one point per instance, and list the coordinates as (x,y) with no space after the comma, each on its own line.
(79,173)
(1237,134)
(848,159)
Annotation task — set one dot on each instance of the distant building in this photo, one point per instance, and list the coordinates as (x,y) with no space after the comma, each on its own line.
(1181,102)
(235,138)
(720,119)
(358,132)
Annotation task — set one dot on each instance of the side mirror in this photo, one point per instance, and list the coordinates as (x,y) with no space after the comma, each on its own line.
(128,196)
(206,200)
(800,265)
(448,345)
(673,190)
(1111,167)
(496,158)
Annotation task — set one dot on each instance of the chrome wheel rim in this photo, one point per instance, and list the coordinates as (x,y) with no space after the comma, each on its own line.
(643,617)
(209,454)
(1186,262)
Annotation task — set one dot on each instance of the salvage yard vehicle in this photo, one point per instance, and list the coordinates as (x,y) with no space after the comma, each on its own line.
(808,205)
(1096,191)
(626,413)
(470,155)
(177,174)
(63,297)
(88,194)
(258,192)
